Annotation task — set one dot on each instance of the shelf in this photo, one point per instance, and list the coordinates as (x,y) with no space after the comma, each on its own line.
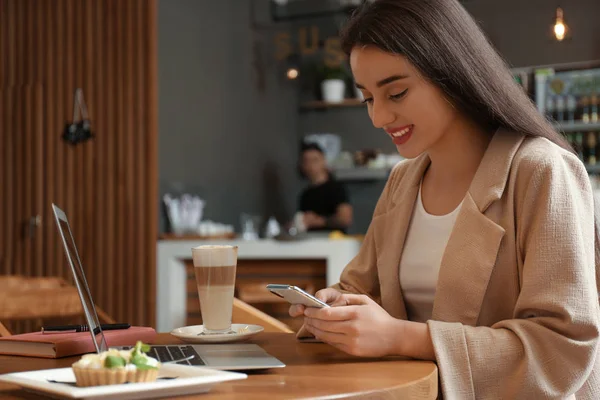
(361,174)
(577,126)
(173,236)
(309,9)
(321,105)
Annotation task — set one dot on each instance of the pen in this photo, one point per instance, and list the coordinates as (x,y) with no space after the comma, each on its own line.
(82,328)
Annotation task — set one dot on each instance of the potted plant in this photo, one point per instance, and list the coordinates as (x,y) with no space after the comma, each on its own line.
(333,83)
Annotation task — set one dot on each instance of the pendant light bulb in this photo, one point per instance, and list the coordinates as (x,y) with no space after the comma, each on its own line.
(560,29)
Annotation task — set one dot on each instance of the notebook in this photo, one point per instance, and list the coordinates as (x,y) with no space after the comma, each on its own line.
(56,345)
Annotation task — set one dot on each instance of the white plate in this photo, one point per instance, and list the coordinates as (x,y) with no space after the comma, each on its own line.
(190,334)
(190,380)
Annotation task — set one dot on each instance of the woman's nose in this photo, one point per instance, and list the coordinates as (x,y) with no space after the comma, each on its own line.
(381,116)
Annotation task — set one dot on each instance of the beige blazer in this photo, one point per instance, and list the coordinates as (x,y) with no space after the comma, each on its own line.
(515,314)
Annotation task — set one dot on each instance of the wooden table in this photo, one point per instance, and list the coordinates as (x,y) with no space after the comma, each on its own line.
(314,370)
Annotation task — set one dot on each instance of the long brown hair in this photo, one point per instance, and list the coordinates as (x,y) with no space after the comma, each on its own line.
(441,39)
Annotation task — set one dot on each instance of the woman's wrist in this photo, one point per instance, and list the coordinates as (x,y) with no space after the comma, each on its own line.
(413,340)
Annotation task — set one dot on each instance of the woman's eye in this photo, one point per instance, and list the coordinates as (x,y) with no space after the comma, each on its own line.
(399,95)
(369,100)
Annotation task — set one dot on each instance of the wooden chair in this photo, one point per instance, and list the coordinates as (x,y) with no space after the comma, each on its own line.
(3,331)
(244,313)
(257,293)
(38,298)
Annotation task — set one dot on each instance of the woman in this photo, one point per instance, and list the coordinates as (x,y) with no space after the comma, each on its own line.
(481,254)
(324,204)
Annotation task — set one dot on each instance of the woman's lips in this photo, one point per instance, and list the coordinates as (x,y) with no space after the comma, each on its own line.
(401,135)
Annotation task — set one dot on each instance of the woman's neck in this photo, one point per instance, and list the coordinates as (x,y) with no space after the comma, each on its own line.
(457,155)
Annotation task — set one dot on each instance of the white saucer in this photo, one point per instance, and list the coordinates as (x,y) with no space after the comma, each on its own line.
(190,334)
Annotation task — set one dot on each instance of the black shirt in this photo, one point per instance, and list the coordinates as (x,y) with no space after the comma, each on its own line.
(323,199)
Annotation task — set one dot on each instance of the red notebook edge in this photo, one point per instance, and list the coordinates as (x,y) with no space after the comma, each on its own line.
(71,344)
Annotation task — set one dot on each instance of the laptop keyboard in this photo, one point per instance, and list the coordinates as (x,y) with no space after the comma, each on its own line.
(170,353)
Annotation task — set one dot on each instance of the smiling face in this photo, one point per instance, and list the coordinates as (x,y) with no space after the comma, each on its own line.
(413,112)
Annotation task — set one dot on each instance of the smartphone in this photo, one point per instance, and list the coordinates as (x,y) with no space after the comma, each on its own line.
(295,295)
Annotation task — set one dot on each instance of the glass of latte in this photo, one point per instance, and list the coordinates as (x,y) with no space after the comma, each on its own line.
(214,267)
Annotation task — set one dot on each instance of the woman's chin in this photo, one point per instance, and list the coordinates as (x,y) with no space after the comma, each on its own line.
(408,152)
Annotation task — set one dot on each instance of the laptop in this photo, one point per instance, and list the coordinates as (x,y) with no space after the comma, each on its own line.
(234,357)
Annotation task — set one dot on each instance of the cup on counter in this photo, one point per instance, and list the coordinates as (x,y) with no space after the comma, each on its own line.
(250,226)
(298,223)
(215,268)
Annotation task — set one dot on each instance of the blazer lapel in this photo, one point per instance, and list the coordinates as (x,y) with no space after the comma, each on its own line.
(467,264)
(472,248)
(390,231)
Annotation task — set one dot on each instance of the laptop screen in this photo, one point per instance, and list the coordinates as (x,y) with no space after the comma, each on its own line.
(82,287)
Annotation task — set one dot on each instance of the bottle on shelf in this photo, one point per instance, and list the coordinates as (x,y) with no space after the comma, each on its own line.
(571,108)
(585,116)
(570,139)
(560,108)
(585,103)
(577,89)
(594,108)
(579,145)
(591,145)
(550,107)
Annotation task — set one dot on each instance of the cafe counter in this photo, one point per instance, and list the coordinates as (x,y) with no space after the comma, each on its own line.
(311,264)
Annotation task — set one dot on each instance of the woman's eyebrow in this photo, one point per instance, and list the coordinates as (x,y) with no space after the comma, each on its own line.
(385,81)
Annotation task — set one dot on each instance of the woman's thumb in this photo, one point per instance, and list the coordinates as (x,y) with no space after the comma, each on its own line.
(351,300)
(327,295)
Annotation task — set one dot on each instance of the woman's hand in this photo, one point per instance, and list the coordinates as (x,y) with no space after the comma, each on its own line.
(356,325)
(359,326)
(328,295)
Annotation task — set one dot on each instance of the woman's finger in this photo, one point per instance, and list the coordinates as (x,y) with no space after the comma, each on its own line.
(329,337)
(296,310)
(353,299)
(345,327)
(333,313)
(327,295)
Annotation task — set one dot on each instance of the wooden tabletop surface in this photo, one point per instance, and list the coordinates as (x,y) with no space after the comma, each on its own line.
(314,370)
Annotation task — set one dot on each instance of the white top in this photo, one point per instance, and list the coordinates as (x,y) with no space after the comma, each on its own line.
(424,247)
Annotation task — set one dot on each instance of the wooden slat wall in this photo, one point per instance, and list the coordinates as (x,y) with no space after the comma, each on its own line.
(20,182)
(108,185)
